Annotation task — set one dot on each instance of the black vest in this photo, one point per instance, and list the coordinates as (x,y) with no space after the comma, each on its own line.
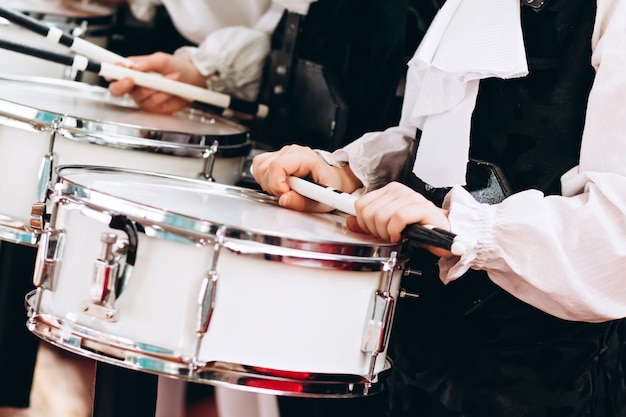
(468,348)
(531,127)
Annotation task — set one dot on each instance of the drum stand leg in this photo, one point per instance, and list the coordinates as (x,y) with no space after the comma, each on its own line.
(18,347)
(121,392)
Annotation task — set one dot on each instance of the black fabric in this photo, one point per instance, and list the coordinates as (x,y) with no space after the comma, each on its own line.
(531,127)
(364,42)
(501,357)
(134,37)
(121,392)
(504,357)
(351,57)
(18,347)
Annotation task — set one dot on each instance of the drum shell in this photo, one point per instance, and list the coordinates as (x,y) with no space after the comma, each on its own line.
(226,170)
(26,137)
(268,313)
(22,153)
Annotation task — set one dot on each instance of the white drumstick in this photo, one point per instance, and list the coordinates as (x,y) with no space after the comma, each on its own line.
(330,196)
(189,92)
(344,202)
(56,35)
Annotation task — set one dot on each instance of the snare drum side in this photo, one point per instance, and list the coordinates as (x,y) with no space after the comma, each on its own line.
(154,312)
(224,286)
(22,151)
(111,152)
(273,315)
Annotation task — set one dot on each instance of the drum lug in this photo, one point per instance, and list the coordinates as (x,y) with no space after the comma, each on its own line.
(209,156)
(207,296)
(379,316)
(45,175)
(38,217)
(379,312)
(103,292)
(49,256)
(206,302)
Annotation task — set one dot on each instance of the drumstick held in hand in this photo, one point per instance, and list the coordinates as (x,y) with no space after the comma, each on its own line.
(344,202)
(157,82)
(56,35)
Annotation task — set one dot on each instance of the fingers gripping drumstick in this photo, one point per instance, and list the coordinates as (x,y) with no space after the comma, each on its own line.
(344,202)
(200,96)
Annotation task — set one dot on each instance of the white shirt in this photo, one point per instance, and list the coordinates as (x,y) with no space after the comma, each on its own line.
(565,255)
(233,37)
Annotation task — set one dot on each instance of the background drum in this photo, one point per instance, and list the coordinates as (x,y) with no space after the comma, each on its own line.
(86,19)
(212,283)
(82,123)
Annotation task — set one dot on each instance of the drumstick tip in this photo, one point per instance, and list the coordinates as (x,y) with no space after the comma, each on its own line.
(460,246)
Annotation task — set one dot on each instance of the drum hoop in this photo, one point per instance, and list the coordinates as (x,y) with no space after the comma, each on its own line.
(330,254)
(95,23)
(158,141)
(21,236)
(130,354)
(123,135)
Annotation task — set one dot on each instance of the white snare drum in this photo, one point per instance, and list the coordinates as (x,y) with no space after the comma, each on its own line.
(89,20)
(83,124)
(212,283)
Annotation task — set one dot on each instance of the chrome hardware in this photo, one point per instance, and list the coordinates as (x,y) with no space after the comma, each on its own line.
(378,312)
(404,294)
(38,216)
(379,316)
(412,272)
(48,259)
(16,231)
(126,251)
(46,169)
(209,156)
(105,272)
(206,298)
(45,175)
(104,282)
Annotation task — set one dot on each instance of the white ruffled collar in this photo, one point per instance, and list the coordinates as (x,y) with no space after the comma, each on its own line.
(468,40)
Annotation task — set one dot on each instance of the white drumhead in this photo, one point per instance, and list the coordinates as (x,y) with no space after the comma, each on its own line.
(43,9)
(87,103)
(186,200)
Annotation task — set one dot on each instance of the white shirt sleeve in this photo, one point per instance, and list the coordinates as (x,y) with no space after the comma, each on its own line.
(565,255)
(233,58)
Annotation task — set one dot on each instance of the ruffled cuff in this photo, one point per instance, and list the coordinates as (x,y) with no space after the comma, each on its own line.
(232,60)
(474,223)
(376,158)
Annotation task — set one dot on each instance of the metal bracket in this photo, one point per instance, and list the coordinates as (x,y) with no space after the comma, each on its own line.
(207,296)
(49,255)
(209,156)
(379,316)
